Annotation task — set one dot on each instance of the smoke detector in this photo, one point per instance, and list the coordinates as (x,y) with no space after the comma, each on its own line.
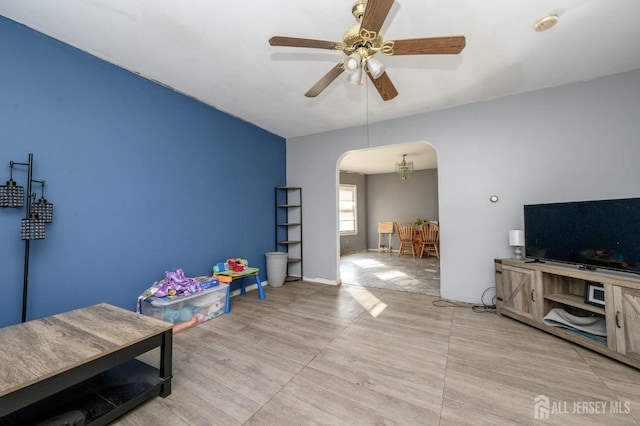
(546,23)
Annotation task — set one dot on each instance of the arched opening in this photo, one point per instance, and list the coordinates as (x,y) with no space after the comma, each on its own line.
(369,181)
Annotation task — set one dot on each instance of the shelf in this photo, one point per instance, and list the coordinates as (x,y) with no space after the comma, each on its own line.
(98,400)
(576,336)
(288,227)
(575,301)
(290,278)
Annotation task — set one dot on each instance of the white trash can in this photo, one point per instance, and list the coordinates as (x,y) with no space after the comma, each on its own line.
(276,268)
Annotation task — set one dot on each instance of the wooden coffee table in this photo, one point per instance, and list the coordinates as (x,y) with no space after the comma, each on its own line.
(61,363)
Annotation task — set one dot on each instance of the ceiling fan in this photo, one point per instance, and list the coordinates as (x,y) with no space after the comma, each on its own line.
(362,41)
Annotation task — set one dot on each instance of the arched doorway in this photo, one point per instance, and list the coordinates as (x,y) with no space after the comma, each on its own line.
(383,196)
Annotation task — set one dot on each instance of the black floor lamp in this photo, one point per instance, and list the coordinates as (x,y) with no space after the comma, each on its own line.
(37,215)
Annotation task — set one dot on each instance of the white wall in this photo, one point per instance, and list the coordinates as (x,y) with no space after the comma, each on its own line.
(574,142)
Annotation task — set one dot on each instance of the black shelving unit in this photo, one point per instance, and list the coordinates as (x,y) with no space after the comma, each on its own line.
(288,202)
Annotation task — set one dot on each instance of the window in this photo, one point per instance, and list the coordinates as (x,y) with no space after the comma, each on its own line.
(348,213)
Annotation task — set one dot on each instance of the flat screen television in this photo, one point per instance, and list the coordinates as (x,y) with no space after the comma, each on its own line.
(590,234)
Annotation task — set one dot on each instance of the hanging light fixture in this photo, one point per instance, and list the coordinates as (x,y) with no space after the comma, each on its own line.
(11,195)
(404,168)
(356,62)
(42,208)
(32,228)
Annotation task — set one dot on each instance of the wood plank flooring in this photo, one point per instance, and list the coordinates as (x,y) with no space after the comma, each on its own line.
(312,354)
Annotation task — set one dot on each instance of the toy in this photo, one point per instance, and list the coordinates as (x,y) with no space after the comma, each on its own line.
(185,314)
(237,264)
(176,283)
(171,315)
(220,267)
(177,316)
(184,325)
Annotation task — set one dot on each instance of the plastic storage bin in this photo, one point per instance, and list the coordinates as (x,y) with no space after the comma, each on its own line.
(187,311)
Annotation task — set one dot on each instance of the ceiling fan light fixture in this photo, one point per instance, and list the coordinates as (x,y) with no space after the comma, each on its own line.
(363,40)
(356,77)
(352,63)
(375,67)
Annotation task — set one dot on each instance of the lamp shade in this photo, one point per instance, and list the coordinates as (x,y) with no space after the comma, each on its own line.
(352,63)
(11,195)
(32,228)
(43,209)
(375,67)
(356,77)
(516,238)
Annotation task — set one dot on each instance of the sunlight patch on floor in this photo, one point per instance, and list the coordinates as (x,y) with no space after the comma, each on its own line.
(407,281)
(371,303)
(367,263)
(390,275)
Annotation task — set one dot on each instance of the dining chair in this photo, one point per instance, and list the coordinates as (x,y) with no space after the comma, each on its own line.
(407,235)
(430,236)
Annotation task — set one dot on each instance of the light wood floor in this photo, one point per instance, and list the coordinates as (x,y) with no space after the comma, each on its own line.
(316,354)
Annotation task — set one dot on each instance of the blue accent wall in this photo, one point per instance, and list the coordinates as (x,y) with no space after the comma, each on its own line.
(143,179)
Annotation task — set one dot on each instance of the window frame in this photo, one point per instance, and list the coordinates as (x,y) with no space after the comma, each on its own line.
(353,189)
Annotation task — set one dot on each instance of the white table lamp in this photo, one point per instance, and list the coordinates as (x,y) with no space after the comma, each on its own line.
(516,240)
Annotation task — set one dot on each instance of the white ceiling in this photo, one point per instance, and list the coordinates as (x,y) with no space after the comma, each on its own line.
(383,160)
(218,52)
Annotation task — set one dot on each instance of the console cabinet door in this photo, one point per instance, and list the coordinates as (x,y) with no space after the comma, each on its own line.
(627,321)
(521,292)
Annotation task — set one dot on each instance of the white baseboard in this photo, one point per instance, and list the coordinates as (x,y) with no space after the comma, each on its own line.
(250,287)
(254,286)
(320,281)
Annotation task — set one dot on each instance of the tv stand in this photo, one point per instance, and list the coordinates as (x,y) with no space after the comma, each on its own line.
(526,291)
(534,261)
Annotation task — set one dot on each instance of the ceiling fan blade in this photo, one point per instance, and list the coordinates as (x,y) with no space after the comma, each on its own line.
(304,42)
(426,46)
(375,13)
(385,87)
(325,81)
